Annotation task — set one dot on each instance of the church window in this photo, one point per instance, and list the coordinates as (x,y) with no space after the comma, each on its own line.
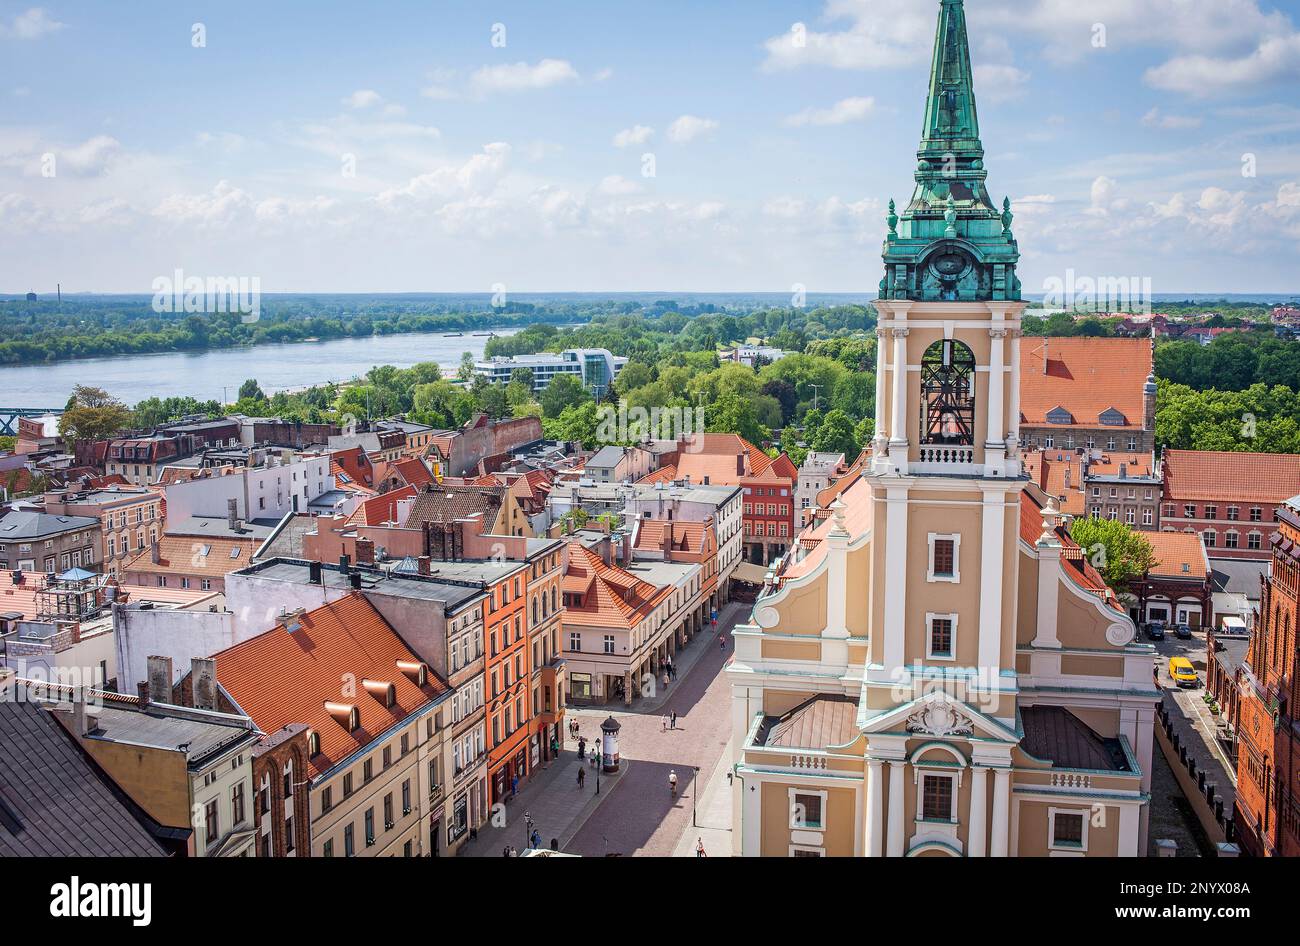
(936,798)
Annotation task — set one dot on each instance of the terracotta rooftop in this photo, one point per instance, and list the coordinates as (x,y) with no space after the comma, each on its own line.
(686,536)
(1222,476)
(1179,555)
(1086,377)
(348,638)
(612,597)
(209,556)
(380,509)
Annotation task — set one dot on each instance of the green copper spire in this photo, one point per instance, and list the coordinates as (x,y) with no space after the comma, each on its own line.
(951,120)
(952,242)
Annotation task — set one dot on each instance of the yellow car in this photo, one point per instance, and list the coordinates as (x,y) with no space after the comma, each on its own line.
(1180,668)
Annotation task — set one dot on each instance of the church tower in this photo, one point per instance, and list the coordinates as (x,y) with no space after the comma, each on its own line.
(936,669)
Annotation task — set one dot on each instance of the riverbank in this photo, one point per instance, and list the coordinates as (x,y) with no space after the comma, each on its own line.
(216,374)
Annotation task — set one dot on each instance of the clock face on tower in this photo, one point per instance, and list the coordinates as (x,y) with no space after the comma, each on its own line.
(950,265)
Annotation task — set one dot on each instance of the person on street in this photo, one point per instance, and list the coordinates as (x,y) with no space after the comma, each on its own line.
(582,777)
(672,782)
(582,748)
(672,720)
(699,848)
(664,723)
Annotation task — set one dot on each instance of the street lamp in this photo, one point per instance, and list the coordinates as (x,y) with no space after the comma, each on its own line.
(695,790)
(528,824)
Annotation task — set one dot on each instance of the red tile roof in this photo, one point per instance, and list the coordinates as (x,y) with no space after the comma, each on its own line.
(1179,555)
(380,509)
(1086,376)
(283,677)
(686,536)
(1215,475)
(612,597)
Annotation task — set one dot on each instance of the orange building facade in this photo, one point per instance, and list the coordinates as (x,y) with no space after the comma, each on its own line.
(507,671)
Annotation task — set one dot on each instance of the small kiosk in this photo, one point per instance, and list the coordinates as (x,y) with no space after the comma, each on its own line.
(609,745)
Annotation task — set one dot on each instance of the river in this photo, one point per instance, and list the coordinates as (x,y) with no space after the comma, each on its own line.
(217,375)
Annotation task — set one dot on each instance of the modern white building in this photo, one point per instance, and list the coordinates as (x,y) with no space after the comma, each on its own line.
(267,492)
(596,368)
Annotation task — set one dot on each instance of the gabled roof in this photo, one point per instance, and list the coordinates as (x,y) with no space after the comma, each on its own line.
(612,597)
(380,509)
(1224,476)
(1084,376)
(346,639)
(685,536)
(55,801)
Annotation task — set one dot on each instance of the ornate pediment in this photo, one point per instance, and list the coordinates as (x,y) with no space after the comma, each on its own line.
(940,718)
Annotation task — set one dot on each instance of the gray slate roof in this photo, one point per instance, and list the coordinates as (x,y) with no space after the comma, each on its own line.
(54,801)
(38,525)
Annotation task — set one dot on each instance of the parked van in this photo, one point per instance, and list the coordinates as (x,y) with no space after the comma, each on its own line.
(1180,668)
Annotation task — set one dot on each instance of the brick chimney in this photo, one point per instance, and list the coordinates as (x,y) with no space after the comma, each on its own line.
(232,514)
(155,554)
(365,552)
(423,564)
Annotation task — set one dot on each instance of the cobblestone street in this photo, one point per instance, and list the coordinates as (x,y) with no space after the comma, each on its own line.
(641,817)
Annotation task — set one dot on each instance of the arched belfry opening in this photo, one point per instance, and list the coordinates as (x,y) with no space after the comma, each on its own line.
(948,394)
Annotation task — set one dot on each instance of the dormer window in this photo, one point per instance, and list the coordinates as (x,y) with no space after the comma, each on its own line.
(948,394)
(1112,418)
(1059,415)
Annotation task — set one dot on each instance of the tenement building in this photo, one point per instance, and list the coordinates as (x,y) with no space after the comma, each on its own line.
(936,670)
(1267,815)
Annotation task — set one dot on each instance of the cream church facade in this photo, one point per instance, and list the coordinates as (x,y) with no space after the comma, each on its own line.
(936,670)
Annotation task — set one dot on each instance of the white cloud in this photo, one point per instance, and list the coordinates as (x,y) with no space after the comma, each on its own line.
(219,205)
(636,135)
(30,24)
(1276,57)
(476,177)
(93,156)
(617,186)
(520,76)
(439,87)
(999,83)
(604,75)
(1156,119)
(363,98)
(689,127)
(841,113)
(884,34)
(1215,46)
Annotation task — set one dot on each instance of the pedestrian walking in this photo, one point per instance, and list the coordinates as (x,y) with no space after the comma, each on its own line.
(582,776)
(672,782)
(699,848)
(672,720)
(722,643)
(665,679)
(664,723)
(514,786)
(598,756)
(582,748)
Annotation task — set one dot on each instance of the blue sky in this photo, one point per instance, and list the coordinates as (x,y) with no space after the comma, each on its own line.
(403,146)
